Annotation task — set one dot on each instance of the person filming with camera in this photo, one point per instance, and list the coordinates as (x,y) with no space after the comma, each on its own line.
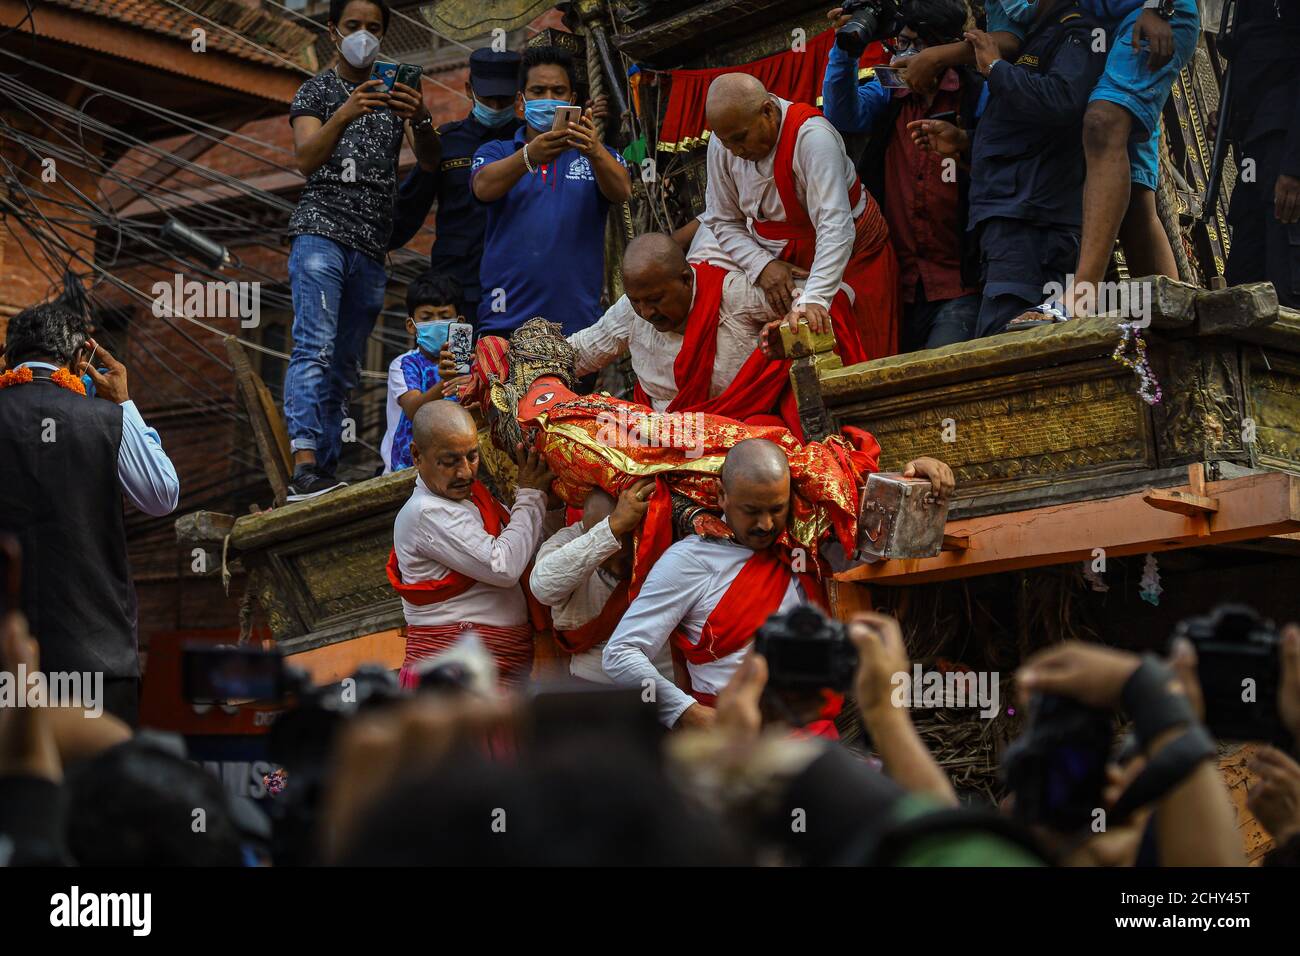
(923,196)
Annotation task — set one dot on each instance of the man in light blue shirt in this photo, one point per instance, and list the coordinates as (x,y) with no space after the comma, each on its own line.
(66,461)
(148,476)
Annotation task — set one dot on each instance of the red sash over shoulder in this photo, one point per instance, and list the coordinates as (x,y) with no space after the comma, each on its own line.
(760,385)
(755,594)
(576,640)
(454,583)
(866,325)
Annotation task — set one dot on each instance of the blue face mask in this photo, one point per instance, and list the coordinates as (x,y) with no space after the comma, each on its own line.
(431,336)
(1020,11)
(89,383)
(540,114)
(490,117)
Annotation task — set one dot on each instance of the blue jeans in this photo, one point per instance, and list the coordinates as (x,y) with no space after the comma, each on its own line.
(932,325)
(337,295)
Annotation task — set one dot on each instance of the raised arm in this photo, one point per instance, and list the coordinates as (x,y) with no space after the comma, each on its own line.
(819,158)
(569,559)
(723,216)
(882,655)
(314,141)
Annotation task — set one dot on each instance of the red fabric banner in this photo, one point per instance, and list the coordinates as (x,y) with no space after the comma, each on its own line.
(795,76)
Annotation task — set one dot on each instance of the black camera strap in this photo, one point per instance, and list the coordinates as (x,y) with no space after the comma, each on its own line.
(1172,764)
(1151,703)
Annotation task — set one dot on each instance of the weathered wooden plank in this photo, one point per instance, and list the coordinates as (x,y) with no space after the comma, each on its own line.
(1235,309)
(984,358)
(701,25)
(265,434)
(1284,332)
(203,527)
(335,510)
(1171,304)
(1180,502)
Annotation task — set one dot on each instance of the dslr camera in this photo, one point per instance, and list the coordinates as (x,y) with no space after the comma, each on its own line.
(1238,656)
(1057,768)
(869,21)
(806,650)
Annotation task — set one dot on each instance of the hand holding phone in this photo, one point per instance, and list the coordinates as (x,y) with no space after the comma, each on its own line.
(565,116)
(890,78)
(385,73)
(460,336)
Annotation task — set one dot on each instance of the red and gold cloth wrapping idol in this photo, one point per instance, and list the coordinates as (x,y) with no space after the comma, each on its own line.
(598,441)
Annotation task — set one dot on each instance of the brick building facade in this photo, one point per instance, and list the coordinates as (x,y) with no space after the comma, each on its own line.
(200,137)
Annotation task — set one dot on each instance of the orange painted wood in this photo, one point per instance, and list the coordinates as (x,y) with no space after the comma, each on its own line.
(1255,506)
(333,662)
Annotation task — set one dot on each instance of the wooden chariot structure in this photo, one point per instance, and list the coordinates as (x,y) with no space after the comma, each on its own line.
(1060,463)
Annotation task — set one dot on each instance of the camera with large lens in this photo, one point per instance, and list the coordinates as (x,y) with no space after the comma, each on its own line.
(1238,660)
(869,21)
(806,650)
(1057,768)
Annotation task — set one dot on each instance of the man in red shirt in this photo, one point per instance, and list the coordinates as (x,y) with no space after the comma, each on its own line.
(921,194)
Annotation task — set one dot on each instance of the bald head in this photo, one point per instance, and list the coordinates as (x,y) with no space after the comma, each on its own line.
(437,422)
(734,95)
(755,494)
(658,281)
(652,255)
(754,461)
(444,449)
(742,116)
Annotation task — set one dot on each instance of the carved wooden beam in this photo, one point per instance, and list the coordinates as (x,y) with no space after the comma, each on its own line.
(703,25)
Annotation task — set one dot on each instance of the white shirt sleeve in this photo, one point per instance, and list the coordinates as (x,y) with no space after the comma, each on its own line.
(569,559)
(668,593)
(461,543)
(819,164)
(746,302)
(726,220)
(605,340)
(147,475)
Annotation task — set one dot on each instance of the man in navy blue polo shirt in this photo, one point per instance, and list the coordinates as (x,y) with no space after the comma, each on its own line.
(547,194)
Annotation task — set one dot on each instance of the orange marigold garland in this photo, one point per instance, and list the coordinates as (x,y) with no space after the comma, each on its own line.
(65,379)
(17,376)
(60,377)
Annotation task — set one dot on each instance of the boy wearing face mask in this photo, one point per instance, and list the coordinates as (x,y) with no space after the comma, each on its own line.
(413,379)
(547,193)
(458,246)
(347,131)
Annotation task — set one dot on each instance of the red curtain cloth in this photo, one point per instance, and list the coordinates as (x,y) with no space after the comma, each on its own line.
(791,76)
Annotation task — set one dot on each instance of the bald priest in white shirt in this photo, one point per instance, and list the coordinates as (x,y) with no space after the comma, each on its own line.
(709,595)
(693,332)
(459,556)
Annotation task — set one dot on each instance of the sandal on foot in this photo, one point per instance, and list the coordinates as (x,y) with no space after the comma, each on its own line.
(1049,313)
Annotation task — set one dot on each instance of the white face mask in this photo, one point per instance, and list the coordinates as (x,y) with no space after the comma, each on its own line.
(360,49)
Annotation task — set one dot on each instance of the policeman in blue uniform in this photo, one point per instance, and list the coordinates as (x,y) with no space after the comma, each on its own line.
(493,84)
(1264,127)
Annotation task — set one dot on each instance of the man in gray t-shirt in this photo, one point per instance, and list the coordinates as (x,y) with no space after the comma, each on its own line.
(347,133)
